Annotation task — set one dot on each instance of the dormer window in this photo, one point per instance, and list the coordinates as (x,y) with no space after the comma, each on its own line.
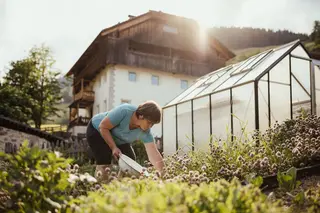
(170,29)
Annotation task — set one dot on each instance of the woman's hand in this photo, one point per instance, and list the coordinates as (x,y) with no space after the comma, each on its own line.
(154,156)
(116,152)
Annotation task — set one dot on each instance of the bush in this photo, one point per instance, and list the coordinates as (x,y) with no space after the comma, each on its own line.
(36,180)
(293,143)
(146,196)
(39,181)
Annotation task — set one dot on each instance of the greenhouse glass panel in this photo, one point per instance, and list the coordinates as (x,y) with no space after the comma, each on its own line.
(238,74)
(281,72)
(218,82)
(208,81)
(184,126)
(280,106)
(169,130)
(205,84)
(301,70)
(253,62)
(243,110)
(189,90)
(231,81)
(317,78)
(201,115)
(263,103)
(266,63)
(221,115)
(300,99)
(299,51)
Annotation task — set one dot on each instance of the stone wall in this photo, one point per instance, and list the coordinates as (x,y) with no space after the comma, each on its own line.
(11,140)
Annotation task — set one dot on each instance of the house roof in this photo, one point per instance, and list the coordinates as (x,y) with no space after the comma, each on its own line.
(142,18)
(238,74)
(15,125)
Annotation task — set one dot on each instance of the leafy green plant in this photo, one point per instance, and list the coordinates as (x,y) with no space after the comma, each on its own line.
(140,151)
(36,181)
(287,180)
(156,196)
(292,143)
(256,181)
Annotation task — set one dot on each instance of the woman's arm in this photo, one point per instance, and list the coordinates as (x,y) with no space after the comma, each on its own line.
(154,156)
(105,127)
(113,118)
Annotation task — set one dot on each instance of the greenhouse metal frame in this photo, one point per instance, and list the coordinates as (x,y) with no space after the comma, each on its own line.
(228,78)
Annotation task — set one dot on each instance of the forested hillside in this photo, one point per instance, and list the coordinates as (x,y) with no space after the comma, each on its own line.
(241,38)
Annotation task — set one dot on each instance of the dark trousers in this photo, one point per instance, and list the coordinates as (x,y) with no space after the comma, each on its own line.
(101,150)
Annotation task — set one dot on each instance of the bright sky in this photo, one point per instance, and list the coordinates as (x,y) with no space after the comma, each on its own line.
(69,26)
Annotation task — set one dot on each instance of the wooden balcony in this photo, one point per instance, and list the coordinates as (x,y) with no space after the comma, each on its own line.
(165,63)
(83,96)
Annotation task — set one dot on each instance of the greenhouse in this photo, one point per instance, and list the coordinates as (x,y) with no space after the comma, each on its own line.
(271,86)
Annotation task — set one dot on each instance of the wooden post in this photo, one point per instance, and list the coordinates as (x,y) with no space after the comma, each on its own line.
(78,111)
(81,87)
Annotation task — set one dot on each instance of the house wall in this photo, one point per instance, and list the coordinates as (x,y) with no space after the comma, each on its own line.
(16,138)
(78,129)
(113,87)
(142,89)
(101,87)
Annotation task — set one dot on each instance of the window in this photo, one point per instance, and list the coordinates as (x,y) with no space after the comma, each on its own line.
(184,84)
(170,29)
(132,76)
(155,80)
(125,101)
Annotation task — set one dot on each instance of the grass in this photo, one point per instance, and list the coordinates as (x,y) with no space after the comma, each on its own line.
(312,46)
(52,127)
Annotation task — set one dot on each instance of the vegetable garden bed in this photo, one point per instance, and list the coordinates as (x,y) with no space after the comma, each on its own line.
(197,181)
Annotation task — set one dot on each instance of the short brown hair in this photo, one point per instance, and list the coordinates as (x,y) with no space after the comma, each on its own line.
(150,110)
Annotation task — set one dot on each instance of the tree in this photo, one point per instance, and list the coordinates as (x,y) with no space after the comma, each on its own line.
(315,35)
(35,77)
(13,104)
(16,101)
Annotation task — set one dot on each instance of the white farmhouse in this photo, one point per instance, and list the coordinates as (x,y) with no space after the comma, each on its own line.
(154,56)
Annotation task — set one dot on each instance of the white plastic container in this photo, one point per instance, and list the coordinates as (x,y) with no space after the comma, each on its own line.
(131,166)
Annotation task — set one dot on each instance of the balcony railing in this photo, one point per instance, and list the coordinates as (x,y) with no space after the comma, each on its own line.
(84,95)
(79,121)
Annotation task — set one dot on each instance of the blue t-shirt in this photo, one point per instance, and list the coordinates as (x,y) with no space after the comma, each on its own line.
(120,118)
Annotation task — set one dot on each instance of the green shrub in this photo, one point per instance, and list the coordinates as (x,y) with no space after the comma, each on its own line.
(36,181)
(39,180)
(146,196)
(295,143)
